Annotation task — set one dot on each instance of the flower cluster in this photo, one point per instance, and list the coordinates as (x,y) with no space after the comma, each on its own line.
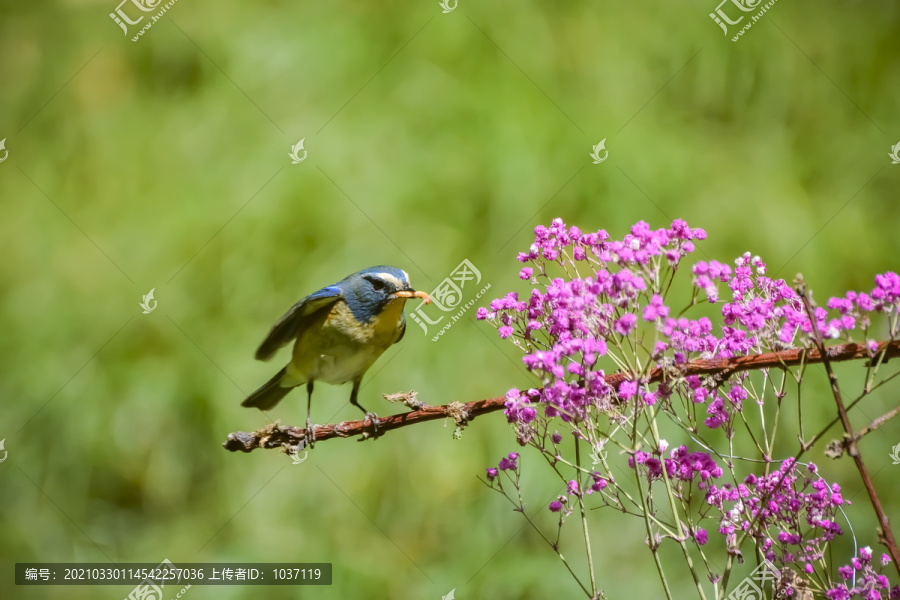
(507,463)
(682,465)
(597,484)
(612,355)
(862,581)
(568,325)
(640,247)
(791,515)
(767,314)
(611,302)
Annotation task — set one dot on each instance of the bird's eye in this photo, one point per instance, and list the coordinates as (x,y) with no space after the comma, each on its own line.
(377,284)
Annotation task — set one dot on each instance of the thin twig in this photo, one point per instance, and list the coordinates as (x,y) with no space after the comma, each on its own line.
(876,423)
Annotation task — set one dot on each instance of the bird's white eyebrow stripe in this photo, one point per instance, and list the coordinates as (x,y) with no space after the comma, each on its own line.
(390,278)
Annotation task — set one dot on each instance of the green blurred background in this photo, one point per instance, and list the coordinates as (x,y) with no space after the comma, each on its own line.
(431,138)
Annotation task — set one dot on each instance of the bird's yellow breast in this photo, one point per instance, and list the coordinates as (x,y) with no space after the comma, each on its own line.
(339,348)
(386,326)
(382,330)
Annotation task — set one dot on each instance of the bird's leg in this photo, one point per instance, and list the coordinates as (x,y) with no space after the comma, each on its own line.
(310,430)
(369,415)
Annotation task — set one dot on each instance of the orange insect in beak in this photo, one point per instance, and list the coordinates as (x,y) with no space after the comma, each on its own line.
(413,294)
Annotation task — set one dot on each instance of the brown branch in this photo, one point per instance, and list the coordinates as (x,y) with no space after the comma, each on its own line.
(886,535)
(277,436)
(281,436)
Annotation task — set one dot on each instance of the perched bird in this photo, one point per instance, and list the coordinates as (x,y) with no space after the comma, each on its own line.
(340,331)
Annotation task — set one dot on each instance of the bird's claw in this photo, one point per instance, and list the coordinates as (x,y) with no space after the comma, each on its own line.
(370,416)
(310,433)
(373,419)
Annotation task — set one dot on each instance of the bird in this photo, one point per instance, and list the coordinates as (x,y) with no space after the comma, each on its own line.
(338,333)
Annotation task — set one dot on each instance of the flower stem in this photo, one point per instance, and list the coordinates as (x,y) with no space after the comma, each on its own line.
(587,537)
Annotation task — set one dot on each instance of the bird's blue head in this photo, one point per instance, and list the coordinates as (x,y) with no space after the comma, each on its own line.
(370,291)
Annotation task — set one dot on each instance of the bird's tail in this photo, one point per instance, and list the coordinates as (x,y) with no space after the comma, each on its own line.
(269,394)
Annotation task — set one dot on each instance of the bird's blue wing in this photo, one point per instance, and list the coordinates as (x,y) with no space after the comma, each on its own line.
(288,326)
